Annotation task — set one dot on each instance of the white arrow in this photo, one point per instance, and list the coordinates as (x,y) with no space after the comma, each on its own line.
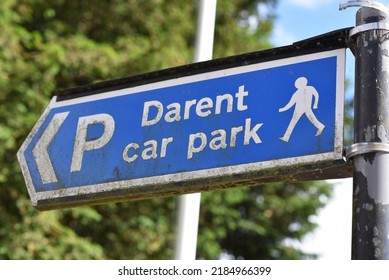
(40,153)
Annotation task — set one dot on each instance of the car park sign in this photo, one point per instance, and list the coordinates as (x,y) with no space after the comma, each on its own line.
(164,136)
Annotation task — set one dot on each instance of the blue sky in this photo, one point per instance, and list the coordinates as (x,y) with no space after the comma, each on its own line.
(301,19)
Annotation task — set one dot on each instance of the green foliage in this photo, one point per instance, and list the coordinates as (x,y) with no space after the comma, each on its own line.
(349,119)
(47,45)
(254,222)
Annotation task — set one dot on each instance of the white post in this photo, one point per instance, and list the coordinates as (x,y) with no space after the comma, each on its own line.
(189,205)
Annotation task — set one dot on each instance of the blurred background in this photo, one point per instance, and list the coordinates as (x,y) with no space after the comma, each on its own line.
(51,45)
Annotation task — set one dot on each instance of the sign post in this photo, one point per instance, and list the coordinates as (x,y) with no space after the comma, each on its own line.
(370,153)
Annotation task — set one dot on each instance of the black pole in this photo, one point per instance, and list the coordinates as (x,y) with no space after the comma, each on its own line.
(370,232)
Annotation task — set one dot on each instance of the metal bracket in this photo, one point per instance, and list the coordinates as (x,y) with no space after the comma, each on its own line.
(375,5)
(344,6)
(367,27)
(364,148)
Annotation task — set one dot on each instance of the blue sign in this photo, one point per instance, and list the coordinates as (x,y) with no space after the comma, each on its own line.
(262,116)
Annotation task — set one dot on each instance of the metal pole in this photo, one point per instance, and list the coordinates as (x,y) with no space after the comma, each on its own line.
(370,153)
(189,205)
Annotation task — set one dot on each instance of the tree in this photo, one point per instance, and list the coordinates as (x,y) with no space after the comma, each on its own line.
(48,45)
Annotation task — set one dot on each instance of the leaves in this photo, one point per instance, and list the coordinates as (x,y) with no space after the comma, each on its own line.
(258,223)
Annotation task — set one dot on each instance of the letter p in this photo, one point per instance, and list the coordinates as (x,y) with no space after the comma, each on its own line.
(81,144)
(191,145)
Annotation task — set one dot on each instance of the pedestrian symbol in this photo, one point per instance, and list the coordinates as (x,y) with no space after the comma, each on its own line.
(302,99)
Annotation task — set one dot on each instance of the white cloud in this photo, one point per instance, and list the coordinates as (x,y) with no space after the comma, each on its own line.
(312,4)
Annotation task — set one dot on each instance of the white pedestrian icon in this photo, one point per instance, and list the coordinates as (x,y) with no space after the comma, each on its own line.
(302,99)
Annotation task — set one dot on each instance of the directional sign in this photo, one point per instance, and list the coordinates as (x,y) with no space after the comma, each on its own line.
(164,137)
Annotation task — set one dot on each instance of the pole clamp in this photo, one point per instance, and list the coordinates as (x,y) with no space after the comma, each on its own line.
(368,26)
(345,5)
(364,148)
(367,3)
